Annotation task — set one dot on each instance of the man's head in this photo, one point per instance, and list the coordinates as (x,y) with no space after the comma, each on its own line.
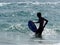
(39,14)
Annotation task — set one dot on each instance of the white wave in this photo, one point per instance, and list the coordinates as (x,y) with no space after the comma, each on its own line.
(57,44)
(2,4)
(38,3)
(35,3)
(46,3)
(49,32)
(50,44)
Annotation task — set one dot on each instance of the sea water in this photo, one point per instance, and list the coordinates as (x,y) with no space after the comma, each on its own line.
(14,17)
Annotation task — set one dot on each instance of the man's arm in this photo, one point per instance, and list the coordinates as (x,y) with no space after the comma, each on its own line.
(36,22)
(45,22)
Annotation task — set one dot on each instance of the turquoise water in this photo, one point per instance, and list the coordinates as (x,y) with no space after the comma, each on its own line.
(14,17)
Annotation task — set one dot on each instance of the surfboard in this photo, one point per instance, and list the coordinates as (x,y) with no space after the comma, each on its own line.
(32,26)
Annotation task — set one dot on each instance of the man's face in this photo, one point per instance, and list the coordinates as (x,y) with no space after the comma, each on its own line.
(39,16)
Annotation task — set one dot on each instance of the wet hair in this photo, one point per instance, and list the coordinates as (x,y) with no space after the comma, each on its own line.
(39,14)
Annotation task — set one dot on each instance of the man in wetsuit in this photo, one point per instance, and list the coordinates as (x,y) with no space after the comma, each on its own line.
(41,24)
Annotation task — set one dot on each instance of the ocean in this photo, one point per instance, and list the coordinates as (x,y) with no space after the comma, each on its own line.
(14,17)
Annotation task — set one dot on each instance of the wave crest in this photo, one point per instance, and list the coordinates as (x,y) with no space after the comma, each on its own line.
(36,3)
(2,4)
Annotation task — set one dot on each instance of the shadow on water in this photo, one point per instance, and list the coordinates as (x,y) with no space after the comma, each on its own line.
(42,40)
(37,39)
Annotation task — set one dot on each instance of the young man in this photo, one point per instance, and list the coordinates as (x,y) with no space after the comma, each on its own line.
(41,24)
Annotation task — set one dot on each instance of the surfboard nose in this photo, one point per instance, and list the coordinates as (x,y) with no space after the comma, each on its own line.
(32,26)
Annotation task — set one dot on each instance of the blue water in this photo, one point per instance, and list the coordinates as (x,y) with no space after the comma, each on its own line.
(14,17)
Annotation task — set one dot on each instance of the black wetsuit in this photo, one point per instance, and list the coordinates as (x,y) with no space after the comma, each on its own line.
(41,28)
